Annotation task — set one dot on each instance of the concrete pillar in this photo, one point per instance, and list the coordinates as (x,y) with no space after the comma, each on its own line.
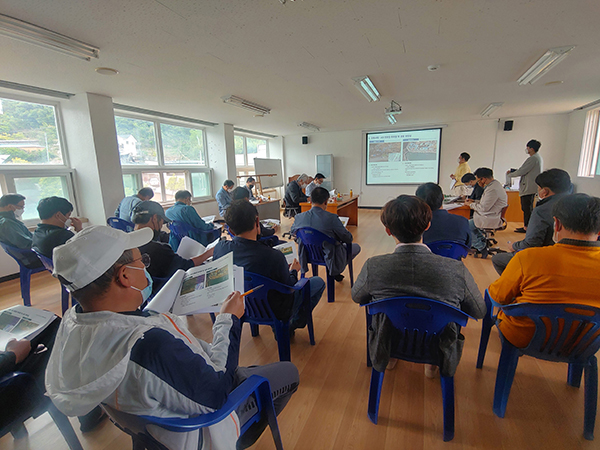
(221,154)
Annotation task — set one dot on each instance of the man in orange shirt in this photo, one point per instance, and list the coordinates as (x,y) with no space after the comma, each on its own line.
(566,272)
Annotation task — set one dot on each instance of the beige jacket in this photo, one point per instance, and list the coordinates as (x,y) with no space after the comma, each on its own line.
(488,209)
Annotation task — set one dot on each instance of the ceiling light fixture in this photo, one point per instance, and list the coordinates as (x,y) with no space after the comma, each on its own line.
(391,119)
(394,108)
(550,59)
(246,104)
(487,112)
(106,71)
(588,105)
(33,34)
(309,126)
(367,88)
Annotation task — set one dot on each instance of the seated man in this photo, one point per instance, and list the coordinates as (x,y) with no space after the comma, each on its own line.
(294,195)
(164,262)
(250,182)
(183,211)
(488,210)
(315,183)
(223,197)
(330,224)
(412,270)
(240,193)
(444,226)
(258,258)
(469,180)
(566,272)
(125,209)
(55,213)
(155,365)
(552,185)
(13,231)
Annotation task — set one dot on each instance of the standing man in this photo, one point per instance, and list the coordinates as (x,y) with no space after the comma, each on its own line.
(552,185)
(315,183)
(530,169)
(250,183)
(294,195)
(462,169)
(223,197)
(55,213)
(125,209)
(488,211)
(330,224)
(183,211)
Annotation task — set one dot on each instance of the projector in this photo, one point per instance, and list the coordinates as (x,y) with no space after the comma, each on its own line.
(394,109)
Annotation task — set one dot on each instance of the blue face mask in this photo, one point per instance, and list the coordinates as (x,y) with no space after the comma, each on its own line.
(148,289)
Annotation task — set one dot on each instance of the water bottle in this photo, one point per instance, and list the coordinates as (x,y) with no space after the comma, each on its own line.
(350,192)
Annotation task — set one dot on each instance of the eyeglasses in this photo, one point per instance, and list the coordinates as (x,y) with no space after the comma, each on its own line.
(145,259)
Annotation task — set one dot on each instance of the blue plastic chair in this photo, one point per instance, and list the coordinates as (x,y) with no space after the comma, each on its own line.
(20,392)
(575,343)
(271,241)
(420,321)
(24,257)
(313,240)
(181,229)
(64,293)
(258,312)
(120,224)
(136,426)
(449,249)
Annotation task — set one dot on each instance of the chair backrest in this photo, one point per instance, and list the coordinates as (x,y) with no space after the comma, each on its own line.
(449,249)
(47,262)
(180,229)
(313,240)
(420,321)
(257,304)
(23,256)
(120,224)
(563,332)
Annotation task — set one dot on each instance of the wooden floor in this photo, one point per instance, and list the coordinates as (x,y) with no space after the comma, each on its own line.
(329,411)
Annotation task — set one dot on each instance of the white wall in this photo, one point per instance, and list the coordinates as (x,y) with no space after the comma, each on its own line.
(590,186)
(478,138)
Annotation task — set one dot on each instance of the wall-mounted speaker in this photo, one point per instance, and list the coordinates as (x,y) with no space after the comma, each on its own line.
(508,125)
(305,140)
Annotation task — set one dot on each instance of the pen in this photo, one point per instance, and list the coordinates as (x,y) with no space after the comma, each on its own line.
(252,290)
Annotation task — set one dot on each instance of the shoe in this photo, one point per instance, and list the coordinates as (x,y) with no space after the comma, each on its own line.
(92,419)
(339,277)
(391,364)
(483,254)
(431,371)
(521,230)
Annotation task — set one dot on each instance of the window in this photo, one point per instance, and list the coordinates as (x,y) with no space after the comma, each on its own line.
(37,188)
(246,149)
(166,157)
(588,160)
(28,134)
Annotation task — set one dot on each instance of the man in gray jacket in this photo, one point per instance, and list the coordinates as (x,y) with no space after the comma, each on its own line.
(552,185)
(412,270)
(320,219)
(530,169)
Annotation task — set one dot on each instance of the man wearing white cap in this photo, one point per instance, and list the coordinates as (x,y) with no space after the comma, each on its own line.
(145,363)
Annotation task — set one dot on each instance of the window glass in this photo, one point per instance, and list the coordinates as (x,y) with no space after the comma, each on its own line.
(239,151)
(130,184)
(200,184)
(137,142)
(152,180)
(182,145)
(36,188)
(257,148)
(28,133)
(174,181)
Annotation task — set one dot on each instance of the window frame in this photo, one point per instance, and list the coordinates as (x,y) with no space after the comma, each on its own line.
(590,145)
(161,167)
(246,168)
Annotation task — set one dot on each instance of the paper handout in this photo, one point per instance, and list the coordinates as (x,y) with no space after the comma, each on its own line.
(344,220)
(22,322)
(189,248)
(289,251)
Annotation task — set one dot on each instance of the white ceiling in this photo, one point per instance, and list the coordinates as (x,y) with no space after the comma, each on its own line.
(182,56)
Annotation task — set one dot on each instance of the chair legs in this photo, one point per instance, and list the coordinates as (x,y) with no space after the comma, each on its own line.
(448,402)
(486,328)
(509,358)
(282,332)
(25,276)
(63,424)
(374,394)
(574,375)
(254,329)
(351,272)
(591,398)
(369,363)
(330,289)
(264,396)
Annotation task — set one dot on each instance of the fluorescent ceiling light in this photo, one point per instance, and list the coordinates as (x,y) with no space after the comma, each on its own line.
(394,108)
(309,126)
(588,105)
(367,88)
(551,58)
(487,112)
(391,119)
(32,34)
(237,101)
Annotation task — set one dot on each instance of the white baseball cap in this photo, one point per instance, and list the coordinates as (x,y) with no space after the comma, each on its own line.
(91,252)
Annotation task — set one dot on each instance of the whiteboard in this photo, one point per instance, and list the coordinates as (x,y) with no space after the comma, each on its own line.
(265,166)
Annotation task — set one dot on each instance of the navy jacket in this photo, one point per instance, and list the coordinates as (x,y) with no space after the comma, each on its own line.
(447,227)
(46,237)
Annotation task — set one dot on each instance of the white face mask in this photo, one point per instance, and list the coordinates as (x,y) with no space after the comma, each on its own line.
(19,213)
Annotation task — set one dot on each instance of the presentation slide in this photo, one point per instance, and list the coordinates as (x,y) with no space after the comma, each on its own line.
(403,157)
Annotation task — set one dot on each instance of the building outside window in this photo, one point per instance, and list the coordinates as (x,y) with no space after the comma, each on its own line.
(246,149)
